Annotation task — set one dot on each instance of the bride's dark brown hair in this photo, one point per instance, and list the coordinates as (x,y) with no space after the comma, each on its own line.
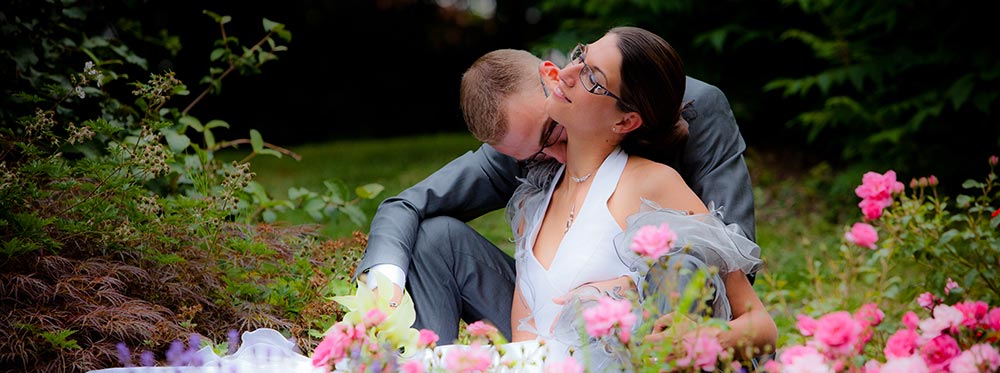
(653,83)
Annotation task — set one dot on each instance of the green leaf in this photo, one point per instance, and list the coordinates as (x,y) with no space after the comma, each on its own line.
(192,122)
(177,142)
(209,139)
(257,190)
(270,25)
(256,141)
(75,13)
(216,54)
(285,35)
(970,184)
(212,14)
(271,152)
(216,123)
(369,191)
(963,201)
(295,193)
(269,216)
(947,237)
(354,213)
(314,207)
(960,90)
(337,191)
(60,340)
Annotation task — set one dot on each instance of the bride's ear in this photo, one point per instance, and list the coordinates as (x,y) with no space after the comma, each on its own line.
(629,123)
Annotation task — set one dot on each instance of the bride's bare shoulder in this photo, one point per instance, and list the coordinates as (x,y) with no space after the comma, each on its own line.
(639,169)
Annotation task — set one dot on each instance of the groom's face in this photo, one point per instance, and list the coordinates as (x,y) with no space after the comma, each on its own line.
(529,132)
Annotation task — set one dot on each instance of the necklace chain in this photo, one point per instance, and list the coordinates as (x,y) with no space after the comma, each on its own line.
(581,178)
(569,222)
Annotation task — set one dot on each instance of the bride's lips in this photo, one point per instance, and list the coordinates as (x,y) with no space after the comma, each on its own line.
(558,92)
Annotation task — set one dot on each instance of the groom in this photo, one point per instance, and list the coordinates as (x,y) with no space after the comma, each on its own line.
(419,238)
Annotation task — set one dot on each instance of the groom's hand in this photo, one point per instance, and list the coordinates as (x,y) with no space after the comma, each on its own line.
(397,292)
(616,288)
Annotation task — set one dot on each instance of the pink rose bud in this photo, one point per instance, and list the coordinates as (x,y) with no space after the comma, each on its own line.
(932,180)
(994,160)
(913,183)
(923,182)
(862,234)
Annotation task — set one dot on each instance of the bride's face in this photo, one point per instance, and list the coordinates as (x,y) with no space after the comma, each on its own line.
(584,96)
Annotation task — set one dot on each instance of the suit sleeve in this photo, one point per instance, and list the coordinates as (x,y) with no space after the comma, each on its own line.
(712,162)
(469,186)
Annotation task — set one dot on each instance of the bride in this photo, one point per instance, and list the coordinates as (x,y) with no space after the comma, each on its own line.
(618,99)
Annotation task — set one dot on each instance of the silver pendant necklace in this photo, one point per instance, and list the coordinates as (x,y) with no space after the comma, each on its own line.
(569,222)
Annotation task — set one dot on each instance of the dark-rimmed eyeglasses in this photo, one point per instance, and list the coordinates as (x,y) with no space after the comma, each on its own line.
(594,81)
(546,140)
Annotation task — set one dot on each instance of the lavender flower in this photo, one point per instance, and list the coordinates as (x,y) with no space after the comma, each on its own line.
(147,359)
(124,356)
(234,341)
(175,354)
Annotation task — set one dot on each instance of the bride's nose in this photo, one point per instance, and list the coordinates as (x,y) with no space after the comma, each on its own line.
(568,74)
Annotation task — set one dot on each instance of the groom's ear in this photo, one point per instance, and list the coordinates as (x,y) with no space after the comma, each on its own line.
(549,72)
(629,123)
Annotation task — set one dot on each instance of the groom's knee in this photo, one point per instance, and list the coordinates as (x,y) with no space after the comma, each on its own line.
(436,235)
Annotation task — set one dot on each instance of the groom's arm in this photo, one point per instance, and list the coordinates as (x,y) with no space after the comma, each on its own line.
(471,185)
(712,162)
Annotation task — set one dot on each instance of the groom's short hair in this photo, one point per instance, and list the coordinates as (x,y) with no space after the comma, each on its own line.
(488,83)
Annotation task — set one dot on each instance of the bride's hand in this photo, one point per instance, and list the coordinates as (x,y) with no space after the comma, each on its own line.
(616,288)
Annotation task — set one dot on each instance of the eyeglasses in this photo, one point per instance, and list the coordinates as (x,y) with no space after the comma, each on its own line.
(595,83)
(546,141)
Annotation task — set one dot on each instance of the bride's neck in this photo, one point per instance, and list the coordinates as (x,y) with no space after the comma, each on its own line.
(583,159)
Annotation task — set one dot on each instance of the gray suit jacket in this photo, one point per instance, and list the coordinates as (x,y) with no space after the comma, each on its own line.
(483,180)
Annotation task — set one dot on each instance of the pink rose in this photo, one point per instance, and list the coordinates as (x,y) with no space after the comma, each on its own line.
(862,234)
(994,160)
(992,319)
(872,366)
(875,186)
(902,344)
(973,312)
(412,366)
(871,209)
(374,317)
(653,242)
(978,358)
(427,338)
(927,300)
(838,332)
(772,366)
(608,314)
(869,314)
(569,365)
(481,329)
(702,352)
(939,352)
(333,346)
(793,353)
(912,364)
(949,286)
(804,359)
(806,325)
(911,320)
(467,360)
